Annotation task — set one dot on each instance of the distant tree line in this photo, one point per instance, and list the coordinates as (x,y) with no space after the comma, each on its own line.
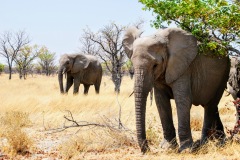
(24,58)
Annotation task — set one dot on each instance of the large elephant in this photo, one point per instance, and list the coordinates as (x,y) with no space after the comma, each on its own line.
(80,69)
(169,62)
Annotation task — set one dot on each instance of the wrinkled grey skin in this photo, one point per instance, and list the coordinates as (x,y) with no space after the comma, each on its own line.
(233,86)
(79,69)
(168,62)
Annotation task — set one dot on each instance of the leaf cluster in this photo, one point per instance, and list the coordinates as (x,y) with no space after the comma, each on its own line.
(1,67)
(215,23)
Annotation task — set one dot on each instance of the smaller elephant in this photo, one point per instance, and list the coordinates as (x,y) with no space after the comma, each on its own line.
(79,69)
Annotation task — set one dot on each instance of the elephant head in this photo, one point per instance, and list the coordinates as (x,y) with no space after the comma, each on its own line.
(72,63)
(162,58)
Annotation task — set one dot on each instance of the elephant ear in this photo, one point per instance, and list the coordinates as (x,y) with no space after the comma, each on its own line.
(131,34)
(182,50)
(80,62)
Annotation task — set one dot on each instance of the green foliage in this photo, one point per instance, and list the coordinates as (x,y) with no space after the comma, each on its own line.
(129,64)
(25,57)
(215,23)
(1,68)
(47,60)
(45,54)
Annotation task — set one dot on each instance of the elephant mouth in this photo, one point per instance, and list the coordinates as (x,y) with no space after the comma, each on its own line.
(64,71)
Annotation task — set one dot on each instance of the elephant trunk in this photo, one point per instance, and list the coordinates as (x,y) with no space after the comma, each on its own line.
(60,79)
(141,93)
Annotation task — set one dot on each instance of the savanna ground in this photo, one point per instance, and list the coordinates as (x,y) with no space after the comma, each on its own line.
(31,110)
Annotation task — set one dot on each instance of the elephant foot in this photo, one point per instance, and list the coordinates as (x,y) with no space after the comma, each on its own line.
(144,147)
(185,145)
(196,146)
(221,142)
(172,145)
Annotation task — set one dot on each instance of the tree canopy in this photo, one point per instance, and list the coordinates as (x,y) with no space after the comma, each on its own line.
(25,57)
(215,23)
(46,60)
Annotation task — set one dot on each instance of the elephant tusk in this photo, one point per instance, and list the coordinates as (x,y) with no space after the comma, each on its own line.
(131,94)
(64,71)
(151,96)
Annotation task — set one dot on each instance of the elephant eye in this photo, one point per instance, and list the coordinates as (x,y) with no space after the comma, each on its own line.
(67,62)
(154,66)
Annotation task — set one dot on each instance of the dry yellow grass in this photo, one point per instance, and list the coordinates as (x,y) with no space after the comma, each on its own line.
(39,97)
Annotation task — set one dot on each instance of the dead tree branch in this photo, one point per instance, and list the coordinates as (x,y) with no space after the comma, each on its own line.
(107,123)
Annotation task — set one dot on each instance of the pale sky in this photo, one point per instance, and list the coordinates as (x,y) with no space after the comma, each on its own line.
(58,24)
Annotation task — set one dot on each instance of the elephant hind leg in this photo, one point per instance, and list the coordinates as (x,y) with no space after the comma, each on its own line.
(212,125)
(97,86)
(69,83)
(86,88)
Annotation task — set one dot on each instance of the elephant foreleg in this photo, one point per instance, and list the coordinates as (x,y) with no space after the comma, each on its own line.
(162,99)
(76,86)
(69,83)
(183,99)
(86,88)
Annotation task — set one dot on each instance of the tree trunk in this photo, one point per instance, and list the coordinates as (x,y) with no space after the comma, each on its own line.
(117,80)
(24,73)
(10,72)
(20,73)
(117,77)
(140,110)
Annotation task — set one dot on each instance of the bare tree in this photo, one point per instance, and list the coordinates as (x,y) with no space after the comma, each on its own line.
(25,58)
(87,45)
(10,45)
(110,50)
(47,61)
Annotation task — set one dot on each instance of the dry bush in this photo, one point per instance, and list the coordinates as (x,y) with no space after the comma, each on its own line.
(18,142)
(153,133)
(15,119)
(226,110)
(120,138)
(196,123)
(72,147)
(100,140)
